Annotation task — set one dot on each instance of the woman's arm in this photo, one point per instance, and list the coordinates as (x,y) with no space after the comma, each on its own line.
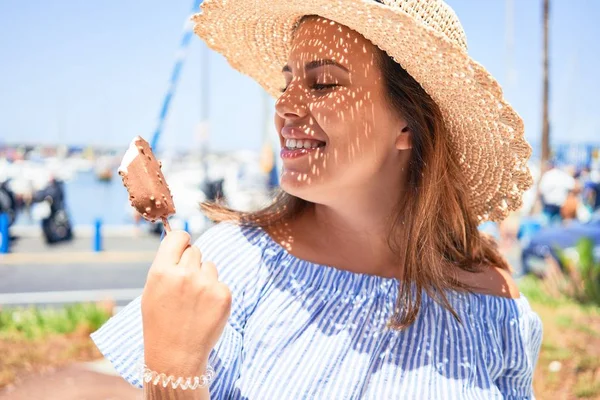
(184,312)
(159,386)
(122,340)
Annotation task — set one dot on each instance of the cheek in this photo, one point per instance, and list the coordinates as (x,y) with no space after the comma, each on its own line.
(354,125)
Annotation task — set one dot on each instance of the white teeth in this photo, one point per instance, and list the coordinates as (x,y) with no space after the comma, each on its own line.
(301,144)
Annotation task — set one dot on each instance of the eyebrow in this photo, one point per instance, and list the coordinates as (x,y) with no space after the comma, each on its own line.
(317,64)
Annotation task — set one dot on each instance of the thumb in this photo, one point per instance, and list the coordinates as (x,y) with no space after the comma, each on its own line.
(172,247)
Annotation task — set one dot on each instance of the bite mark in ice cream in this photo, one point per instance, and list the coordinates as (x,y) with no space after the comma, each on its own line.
(130,154)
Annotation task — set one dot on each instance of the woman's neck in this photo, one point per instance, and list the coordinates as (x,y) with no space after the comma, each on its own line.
(345,238)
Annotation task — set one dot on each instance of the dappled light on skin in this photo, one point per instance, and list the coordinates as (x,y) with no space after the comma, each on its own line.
(282,235)
(375,175)
(335,95)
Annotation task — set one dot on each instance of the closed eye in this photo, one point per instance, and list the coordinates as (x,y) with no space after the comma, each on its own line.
(323,86)
(317,86)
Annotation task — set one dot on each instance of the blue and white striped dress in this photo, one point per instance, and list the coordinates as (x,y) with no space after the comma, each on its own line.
(299,330)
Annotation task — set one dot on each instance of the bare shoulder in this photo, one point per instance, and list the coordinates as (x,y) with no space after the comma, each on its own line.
(494,281)
(498,282)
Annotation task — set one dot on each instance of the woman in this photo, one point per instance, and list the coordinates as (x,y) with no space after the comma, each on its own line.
(367,277)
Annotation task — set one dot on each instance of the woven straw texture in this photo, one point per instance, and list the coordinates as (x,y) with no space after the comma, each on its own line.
(427,39)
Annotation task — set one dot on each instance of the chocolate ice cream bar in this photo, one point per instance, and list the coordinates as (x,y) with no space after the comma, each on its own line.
(143,178)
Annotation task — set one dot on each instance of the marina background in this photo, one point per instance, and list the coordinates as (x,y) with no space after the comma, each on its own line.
(78,80)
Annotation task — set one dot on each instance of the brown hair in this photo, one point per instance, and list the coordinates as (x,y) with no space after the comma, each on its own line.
(433,230)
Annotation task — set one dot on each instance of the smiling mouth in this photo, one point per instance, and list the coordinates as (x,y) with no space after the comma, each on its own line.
(297,144)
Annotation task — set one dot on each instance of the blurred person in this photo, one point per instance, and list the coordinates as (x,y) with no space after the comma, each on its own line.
(56,227)
(554,188)
(570,210)
(213,189)
(9,202)
(367,277)
(583,174)
(591,191)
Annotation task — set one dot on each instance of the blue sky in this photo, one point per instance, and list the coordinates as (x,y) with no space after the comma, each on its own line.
(92,73)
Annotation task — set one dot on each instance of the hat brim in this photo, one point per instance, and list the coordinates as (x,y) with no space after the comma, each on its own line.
(486,134)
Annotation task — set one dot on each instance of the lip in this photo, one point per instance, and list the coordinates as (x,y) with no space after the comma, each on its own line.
(292,132)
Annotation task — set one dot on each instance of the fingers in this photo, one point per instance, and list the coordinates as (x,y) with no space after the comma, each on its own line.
(191,257)
(175,249)
(172,247)
(209,272)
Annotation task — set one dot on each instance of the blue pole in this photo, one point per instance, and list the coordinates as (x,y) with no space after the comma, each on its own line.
(98,235)
(4,235)
(186,226)
(188,33)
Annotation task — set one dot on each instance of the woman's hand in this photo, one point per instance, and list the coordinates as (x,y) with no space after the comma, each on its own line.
(184,308)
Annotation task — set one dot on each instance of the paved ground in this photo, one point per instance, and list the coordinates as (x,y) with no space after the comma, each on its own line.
(62,284)
(74,382)
(34,244)
(35,273)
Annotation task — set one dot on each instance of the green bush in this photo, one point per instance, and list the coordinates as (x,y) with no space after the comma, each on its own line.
(33,323)
(532,287)
(582,272)
(589,270)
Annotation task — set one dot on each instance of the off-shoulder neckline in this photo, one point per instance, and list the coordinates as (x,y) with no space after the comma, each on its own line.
(373,280)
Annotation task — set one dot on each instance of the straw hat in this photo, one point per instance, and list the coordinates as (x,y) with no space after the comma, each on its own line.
(427,39)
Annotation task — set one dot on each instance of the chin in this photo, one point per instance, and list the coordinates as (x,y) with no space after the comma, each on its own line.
(302,185)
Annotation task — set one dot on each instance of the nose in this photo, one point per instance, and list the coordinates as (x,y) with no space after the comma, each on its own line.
(291,104)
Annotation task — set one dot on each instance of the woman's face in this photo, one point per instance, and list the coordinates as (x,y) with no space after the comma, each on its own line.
(337,131)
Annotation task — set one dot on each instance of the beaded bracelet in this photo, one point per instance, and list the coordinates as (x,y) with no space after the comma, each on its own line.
(191,383)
